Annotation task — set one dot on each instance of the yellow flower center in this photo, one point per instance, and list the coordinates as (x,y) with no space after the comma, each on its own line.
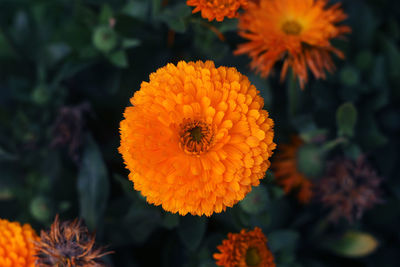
(252,257)
(195,136)
(291,27)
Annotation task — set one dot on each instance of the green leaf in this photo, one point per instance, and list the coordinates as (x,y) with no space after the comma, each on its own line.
(392,54)
(364,60)
(141,220)
(228,25)
(310,160)
(138,9)
(170,221)
(156,6)
(105,15)
(41,94)
(130,43)
(282,239)
(126,184)
(378,74)
(353,244)
(176,16)
(374,138)
(191,231)
(6,156)
(352,151)
(104,38)
(40,209)
(57,52)
(93,184)
(349,76)
(6,50)
(68,70)
(255,201)
(119,59)
(346,118)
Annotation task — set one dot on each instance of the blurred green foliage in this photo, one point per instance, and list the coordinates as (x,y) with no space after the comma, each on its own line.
(68,69)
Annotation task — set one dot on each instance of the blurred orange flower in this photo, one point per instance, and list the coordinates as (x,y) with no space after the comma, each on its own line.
(196,139)
(297,31)
(245,249)
(217,9)
(16,244)
(286,171)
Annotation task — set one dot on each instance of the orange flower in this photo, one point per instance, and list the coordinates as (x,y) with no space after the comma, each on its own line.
(286,171)
(297,31)
(217,9)
(196,139)
(244,250)
(16,244)
(68,244)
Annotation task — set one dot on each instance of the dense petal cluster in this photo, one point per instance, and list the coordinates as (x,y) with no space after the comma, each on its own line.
(245,249)
(196,138)
(286,171)
(68,244)
(297,31)
(349,188)
(16,244)
(217,9)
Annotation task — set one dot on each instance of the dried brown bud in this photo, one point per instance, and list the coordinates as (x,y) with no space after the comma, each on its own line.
(68,128)
(68,244)
(348,188)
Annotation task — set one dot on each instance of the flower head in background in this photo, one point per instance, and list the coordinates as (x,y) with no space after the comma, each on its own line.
(196,138)
(245,249)
(348,188)
(68,129)
(217,9)
(17,244)
(287,173)
(295,31)
(68,244)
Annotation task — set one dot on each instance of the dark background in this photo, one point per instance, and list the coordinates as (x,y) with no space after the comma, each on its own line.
(67,71)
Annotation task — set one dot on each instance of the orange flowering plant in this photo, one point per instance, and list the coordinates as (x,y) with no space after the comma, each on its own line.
(17,244)
(245,249)
(217,9)
(297,31)
(196,139)
(160,130)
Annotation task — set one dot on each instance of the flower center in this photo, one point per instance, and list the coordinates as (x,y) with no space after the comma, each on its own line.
(252,257)
(291,27)
(196,136)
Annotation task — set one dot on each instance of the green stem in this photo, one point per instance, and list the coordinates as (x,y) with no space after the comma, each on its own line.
(332,144)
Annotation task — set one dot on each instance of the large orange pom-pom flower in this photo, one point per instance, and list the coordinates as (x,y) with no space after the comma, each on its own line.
(298,31)
(17,244)
(244,250)
(217,9)
(196,138)
(287,174)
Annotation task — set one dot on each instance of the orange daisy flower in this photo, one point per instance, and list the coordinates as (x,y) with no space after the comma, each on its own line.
(286,171)
(16,244)
(244,250)
(297,31)
(196,139)
(217,9)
